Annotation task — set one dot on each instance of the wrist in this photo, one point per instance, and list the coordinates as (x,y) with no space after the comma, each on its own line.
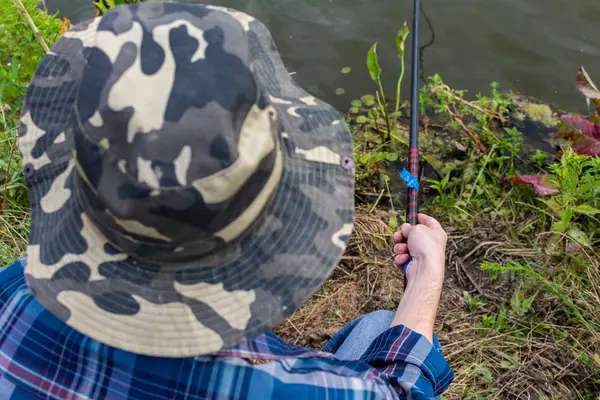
(427,272)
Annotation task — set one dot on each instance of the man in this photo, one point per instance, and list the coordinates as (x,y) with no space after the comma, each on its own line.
(186,196)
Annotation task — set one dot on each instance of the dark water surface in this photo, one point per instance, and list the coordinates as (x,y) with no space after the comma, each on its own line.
(533,47)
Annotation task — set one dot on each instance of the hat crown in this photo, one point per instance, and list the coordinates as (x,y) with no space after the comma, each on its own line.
(176,140)
(131,195)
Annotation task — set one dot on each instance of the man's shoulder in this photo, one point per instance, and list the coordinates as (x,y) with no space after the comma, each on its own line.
(12,278)
(14,268)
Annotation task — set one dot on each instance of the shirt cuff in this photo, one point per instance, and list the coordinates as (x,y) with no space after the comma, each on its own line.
(398,347)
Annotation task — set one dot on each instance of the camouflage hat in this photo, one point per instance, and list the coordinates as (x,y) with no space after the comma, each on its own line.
(185,192)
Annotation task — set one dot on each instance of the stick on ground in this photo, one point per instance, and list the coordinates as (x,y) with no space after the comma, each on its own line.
(31,24)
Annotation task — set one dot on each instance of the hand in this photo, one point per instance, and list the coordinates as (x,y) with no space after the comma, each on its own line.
(426,243)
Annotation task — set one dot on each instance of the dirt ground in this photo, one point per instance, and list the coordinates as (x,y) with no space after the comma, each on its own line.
(367,280)
(488,364)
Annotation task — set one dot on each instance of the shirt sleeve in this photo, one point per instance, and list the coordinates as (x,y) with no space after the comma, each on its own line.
(409,362)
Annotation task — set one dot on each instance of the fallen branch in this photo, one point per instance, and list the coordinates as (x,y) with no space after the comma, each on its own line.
(469,132)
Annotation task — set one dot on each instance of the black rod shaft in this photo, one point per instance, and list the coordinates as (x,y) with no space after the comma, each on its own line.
(412,198)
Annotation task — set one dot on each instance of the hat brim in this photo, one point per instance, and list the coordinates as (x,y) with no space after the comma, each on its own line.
(237,292)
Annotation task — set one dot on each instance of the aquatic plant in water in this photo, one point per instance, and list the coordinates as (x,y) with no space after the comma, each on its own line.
(584,131)
(375,73)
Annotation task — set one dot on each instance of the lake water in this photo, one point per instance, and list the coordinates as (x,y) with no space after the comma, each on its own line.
(533,47)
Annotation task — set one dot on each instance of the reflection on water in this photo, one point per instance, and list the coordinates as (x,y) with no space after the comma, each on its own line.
(530,46)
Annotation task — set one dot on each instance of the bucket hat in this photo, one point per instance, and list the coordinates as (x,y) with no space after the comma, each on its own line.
(186,193)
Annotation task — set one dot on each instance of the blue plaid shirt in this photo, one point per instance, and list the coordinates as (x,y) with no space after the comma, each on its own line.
(41,357)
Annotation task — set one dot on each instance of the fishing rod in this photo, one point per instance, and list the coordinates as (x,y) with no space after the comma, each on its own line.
(411,177)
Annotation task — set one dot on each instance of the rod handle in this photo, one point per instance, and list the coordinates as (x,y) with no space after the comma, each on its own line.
(412,199)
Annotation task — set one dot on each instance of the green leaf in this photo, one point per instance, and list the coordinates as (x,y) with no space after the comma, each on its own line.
(368,100)
(505,364)
(340,91)
(516,302)
(484,374)
(401,40)
(15,70)
(373,63)
(354,110)
(587,209)
(565,219)
(361,119)
(393,223)
(448,167)
(365,158)
(391,156)
(346,70)
(580,237)
(356,103)
(571,180)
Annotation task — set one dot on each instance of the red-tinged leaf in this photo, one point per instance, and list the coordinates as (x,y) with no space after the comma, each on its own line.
(537,181)
(583,134)
(583,125)
(566,134)
(586,146)
(586,86)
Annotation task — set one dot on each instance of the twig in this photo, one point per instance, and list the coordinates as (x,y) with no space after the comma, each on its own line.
(480,245)
(377,201)
(469,132)
(31,24)
(12,152)
(390,196)
(289,321)
(465,102)
(340,268)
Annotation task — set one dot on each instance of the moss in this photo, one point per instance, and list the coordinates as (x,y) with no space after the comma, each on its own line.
(529,109)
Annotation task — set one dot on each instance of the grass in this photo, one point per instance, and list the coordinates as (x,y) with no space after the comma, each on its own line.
(519,316)
(20,52)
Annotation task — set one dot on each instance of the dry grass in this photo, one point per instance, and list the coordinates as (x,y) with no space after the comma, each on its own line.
(364,281)
(529,356)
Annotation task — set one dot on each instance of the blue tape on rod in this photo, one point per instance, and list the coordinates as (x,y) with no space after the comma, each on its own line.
(411,180)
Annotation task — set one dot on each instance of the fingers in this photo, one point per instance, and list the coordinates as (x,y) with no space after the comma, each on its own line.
(428,221)
(400,248)
(401,259)
(398,238)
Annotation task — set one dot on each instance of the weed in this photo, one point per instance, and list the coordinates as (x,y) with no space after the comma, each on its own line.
(473,303)
(102,6)
(20,53)
(375,73)
(584,132)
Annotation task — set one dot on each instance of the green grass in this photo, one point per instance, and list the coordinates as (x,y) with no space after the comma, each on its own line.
(20,53)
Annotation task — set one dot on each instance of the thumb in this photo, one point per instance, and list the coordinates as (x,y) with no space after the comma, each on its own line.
(405,229)
(428,221)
